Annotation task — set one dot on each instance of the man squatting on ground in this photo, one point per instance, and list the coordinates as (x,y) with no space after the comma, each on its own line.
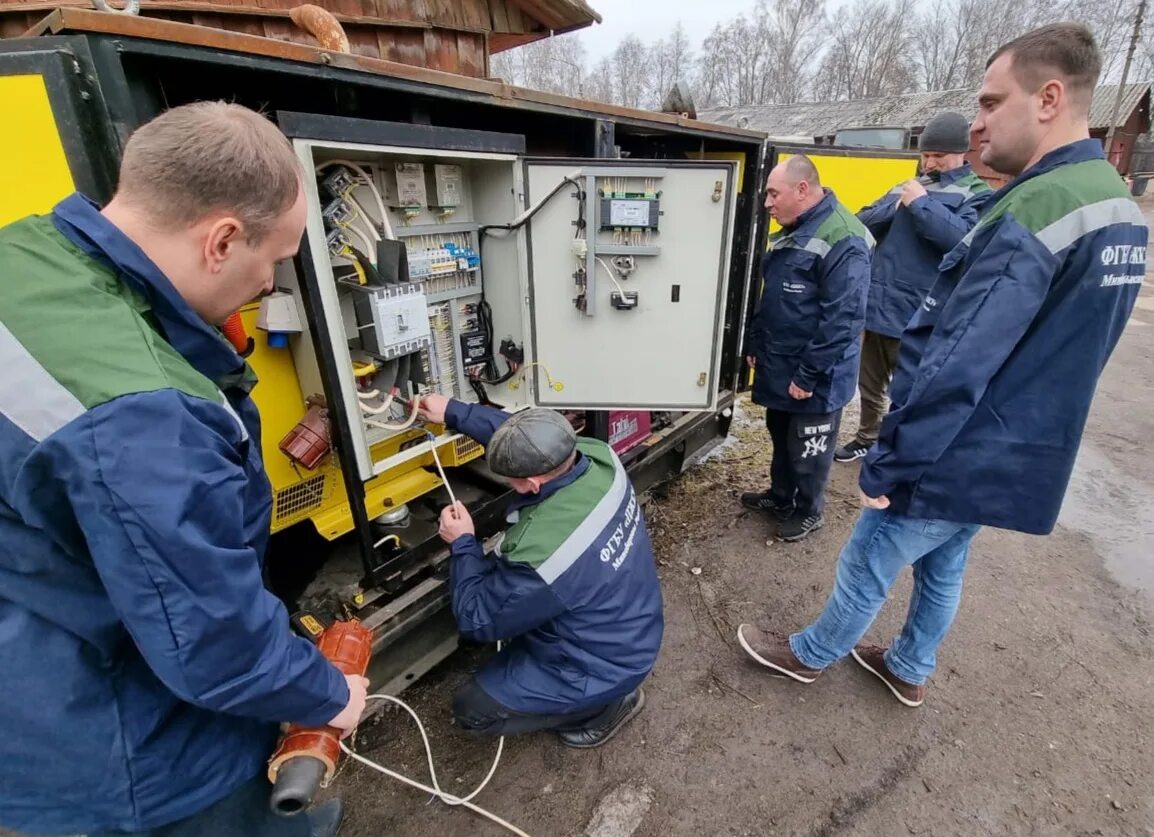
(571,588)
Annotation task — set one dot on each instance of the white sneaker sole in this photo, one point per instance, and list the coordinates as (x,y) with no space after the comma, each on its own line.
(913,704)
(781,671)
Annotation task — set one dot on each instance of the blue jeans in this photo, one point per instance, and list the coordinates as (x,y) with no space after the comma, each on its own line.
(881,546)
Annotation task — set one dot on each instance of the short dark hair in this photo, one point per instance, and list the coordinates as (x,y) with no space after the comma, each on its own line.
(801,168)
(208,157)
(1066,48)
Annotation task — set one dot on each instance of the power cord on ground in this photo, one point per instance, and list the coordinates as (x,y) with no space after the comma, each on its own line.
(435,790)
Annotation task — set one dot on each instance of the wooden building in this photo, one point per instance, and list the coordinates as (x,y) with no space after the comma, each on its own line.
(456,36)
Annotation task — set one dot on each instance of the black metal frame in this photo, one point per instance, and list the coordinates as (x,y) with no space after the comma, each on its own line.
(74,96)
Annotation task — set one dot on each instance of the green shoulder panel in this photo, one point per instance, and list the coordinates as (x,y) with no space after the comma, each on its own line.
(543,528)
(841,224)
(975,184)
(81,323)
(1049,197)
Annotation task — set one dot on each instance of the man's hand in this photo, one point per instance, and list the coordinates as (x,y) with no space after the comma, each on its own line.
(797,393)
(882,502)
(348,718)
(432,408)
(911,191)
(455,521)
(750,362)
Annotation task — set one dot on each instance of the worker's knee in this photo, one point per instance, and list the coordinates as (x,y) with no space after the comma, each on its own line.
(474,711)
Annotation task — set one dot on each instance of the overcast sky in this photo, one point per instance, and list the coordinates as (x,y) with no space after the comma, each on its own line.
(652,19)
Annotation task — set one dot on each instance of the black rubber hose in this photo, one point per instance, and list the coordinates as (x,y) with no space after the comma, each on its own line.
(297,782)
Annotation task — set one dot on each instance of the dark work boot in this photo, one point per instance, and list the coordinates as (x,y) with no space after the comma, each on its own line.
(606,725)
(772,651)
(800,527)
(765,501)
(325,819)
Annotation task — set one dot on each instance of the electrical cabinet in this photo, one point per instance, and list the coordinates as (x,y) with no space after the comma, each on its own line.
(627,284)
(591,284)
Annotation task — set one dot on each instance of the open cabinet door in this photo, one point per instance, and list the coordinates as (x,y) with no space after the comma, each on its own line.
(626,281)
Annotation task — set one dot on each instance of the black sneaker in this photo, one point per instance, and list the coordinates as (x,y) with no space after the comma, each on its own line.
(764,501)
(606,725)
(851,451)
(798,528)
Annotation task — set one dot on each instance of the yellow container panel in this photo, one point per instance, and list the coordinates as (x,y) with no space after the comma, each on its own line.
(34,173)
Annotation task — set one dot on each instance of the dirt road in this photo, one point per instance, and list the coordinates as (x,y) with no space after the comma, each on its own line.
(1037,722)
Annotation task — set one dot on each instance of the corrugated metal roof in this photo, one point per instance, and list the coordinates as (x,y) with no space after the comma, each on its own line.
(913,110)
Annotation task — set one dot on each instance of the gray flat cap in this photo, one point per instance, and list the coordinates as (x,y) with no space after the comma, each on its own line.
(531,443)
(946,133)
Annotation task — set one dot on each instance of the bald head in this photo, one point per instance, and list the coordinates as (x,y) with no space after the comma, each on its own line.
(800,169)
(793,187)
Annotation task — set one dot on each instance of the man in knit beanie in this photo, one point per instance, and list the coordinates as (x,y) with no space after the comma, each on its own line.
(915,224)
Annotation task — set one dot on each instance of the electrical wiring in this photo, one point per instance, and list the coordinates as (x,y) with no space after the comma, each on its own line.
(368,181)
(554,384)
(612,278)
(360,214)
(435,790)
(364,239)
(407,423)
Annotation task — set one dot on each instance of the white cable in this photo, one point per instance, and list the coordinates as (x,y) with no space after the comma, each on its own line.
(370,251)
(361,215)
(612,278)
(441,470)
(435,790)
(447,798)
(406,424)
(368,182)
(375,411)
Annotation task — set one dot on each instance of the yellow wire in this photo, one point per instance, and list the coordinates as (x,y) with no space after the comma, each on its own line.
(554,385)
(362,369)
(362,279)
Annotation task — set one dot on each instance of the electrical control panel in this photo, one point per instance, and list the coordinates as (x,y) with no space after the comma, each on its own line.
(487,277)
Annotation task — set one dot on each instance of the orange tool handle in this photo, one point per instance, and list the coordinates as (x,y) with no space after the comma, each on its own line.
(348,646)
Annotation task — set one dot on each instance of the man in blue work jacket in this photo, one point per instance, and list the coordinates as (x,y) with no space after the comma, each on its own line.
(996,370)
(145,666)
(804,338)
(571,589)
(915,224)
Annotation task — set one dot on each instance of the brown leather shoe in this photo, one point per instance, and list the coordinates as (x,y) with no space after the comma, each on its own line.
(773,651)
(872,659)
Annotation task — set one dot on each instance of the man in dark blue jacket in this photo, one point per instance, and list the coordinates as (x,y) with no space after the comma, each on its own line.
(803,340)
(571,589)
(145,666)
(915,224)
(996,370)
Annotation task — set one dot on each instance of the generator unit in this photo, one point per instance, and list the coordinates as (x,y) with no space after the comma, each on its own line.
(587,259)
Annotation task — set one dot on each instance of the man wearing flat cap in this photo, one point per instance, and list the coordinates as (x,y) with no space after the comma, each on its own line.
(571,589)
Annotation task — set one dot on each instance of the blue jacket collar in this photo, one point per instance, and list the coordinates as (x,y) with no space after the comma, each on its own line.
(808,222)
(954,175)
(580,466)
(1078,151)
(80,221)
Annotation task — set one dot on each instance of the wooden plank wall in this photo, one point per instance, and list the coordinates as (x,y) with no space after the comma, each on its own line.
(448,35)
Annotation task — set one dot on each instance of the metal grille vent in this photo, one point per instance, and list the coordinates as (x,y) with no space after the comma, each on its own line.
(299,498)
